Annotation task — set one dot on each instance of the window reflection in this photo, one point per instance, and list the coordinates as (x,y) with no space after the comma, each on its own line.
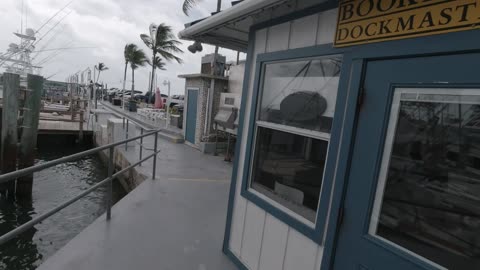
(302,93)
(431,201)
(289,170)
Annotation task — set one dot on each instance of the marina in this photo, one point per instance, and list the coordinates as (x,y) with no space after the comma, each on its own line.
(250,134)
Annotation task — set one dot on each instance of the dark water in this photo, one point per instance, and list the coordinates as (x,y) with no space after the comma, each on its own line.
(52,187)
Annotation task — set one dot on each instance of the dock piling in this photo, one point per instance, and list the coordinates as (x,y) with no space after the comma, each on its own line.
(80,132)
(28,140)
(9,138)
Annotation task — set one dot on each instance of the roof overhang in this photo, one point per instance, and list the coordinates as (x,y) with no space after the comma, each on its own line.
(230,28)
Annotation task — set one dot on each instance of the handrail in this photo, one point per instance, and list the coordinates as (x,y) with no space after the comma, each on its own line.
(109,180)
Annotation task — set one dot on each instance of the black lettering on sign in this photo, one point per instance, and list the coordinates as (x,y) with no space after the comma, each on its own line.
(366,21)
(356,32)
(427,20)
(405,24)
(342,34)
(367,29)
(365,7)
(347,12)
(465,10)
(384,27)
(446,15)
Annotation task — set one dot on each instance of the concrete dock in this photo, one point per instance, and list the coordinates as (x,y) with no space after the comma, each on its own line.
(176,221)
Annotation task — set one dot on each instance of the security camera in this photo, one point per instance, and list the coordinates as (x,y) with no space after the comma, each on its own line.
(195,47)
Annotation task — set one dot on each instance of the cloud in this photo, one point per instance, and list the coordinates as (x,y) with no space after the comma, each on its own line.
(106,25)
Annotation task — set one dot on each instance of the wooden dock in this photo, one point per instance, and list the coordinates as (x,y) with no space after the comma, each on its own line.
(61,124)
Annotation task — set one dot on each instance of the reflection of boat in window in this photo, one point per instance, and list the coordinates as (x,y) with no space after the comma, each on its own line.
(433,181)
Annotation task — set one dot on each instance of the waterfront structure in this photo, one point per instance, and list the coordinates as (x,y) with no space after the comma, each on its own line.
(20,111)
(357,136)
(202,105)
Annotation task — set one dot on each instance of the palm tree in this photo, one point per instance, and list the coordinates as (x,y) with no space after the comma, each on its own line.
(159,64)
(100,67)
(137,58)
(127,51)
(163,42)
(127,54)
(188,5)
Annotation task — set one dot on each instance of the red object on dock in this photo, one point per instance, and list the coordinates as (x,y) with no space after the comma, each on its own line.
(158,99)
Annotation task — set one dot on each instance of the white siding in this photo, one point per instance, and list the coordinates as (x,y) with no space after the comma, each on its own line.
(278,37)
(303,34)
(259,240)
(301,252)
(253,235)
(326,26)
(238,220)
(275,237)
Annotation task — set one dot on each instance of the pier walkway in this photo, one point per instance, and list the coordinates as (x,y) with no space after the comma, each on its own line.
(137,118)
(175,222)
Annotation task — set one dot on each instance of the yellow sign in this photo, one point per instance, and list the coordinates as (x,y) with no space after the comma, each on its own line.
(367,21)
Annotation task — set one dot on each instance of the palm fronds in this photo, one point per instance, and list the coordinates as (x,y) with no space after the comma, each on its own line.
(188,5)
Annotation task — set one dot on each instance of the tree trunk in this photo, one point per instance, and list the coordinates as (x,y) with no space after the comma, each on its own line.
(133,82)
(153,77)
(124,81)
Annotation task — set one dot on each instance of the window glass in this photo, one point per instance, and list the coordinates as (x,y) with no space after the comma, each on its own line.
(301,93)
(288,169)
(428,195)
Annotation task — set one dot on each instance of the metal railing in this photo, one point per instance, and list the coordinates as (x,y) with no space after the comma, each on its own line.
(109,180)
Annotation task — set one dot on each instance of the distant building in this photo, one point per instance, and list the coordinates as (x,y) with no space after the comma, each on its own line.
(202,104)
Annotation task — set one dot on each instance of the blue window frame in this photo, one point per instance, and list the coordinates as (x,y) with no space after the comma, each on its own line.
(298,214)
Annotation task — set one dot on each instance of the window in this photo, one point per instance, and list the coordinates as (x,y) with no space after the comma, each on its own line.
(229,101)
(292,132)
(428,192)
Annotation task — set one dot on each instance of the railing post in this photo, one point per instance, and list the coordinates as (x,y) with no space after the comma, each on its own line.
(123,125)
(126,137)
(80,132)
(141,144)
(155,156)
(110,184)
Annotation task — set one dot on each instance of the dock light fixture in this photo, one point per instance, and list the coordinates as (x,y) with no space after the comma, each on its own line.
(195,47)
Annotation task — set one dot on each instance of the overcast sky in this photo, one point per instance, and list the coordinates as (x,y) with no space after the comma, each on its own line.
(106,25)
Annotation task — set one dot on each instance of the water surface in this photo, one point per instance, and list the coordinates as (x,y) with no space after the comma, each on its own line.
(52,187)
